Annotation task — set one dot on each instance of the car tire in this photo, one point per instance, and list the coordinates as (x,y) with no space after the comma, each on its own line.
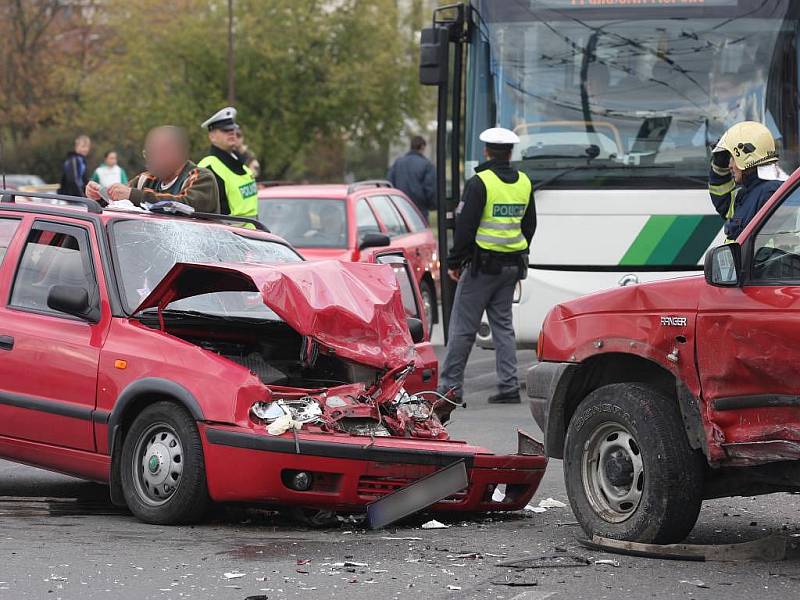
(429,306)
(162,467)
(629,471)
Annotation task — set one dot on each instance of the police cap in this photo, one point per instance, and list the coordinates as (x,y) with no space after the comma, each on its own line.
(222,119)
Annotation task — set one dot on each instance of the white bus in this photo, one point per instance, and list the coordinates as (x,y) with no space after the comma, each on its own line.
(617,103)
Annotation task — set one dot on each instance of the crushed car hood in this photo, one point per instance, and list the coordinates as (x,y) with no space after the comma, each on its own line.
(354,309)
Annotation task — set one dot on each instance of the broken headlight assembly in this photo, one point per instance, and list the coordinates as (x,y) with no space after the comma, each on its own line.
(304,410)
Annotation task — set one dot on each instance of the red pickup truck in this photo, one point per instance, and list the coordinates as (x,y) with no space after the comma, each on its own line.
(659,396)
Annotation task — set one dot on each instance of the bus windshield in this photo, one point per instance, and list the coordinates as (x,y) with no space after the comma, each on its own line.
(608,93)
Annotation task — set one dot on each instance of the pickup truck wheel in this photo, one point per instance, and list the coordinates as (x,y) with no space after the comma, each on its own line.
(162,468)
(630,473)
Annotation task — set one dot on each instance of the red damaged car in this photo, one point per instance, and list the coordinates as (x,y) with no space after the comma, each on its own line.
(661,395)
(185,361)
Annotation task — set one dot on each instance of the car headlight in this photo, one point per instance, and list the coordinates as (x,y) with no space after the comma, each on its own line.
(304,410)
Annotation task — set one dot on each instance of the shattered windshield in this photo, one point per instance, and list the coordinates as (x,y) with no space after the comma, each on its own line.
(145,250)
(639,92)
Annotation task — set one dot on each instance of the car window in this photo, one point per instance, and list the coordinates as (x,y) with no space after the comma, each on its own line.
(306,222)
(412,217)
(53,255)
(365,220)
(776,255)
(389,215)
(405,282)
(8,227)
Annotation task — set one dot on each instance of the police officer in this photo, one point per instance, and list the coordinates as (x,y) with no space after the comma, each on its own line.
(744,174)
(238,194)
(495,222)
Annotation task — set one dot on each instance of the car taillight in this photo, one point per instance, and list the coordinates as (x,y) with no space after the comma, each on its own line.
(540,345)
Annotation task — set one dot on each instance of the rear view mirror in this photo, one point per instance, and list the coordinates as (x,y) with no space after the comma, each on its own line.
(723,266)
(417,329)
(73,300)
(374,240)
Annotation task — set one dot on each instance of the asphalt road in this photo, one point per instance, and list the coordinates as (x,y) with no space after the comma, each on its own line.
(61,538)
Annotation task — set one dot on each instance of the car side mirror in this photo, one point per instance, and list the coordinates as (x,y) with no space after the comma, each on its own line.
(723,266)
(73,300)
(374,240)
(417,329)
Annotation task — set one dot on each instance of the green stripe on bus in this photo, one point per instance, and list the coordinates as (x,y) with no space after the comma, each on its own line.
(674,239)
(702,237)
(647,240)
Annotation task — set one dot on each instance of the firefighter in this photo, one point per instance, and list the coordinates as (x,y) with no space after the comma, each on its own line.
(744,174)
(495,222)
(238,194)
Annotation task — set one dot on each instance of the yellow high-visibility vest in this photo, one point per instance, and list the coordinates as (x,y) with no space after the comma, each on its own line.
(241,190)
(500,227)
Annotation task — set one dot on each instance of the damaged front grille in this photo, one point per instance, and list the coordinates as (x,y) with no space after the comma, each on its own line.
(371,487)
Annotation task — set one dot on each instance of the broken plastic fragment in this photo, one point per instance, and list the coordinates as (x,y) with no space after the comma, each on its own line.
(434,524)
(697,582)
(607,561)
(233,575)
(536,509)
(551,503)
(454,587)
(282,425)
(499,494)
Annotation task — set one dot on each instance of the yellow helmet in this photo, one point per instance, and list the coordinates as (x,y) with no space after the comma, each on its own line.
(750,144)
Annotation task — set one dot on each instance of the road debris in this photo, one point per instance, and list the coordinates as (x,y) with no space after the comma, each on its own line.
(607,561)
(535,509)
(402,539)
(544,562)
(696,582)
(454,587)
(768,549)
(434,524)
(234,575)
(551,503)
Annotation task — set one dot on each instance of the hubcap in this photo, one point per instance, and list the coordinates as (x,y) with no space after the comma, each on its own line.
(612,472)
(157,464)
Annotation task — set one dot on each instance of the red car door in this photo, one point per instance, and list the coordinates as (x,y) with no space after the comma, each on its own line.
(748,337)
(49,359)
(427,377)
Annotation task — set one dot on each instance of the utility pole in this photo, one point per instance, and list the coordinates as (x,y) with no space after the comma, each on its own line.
(231,58)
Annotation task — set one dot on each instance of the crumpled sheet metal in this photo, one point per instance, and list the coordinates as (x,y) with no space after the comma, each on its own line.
(355,309)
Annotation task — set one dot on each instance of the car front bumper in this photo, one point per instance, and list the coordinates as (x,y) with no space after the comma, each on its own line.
(349,472)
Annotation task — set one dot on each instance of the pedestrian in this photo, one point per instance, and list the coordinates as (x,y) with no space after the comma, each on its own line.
(109,173)
(744,174)
(495,222)
(170,175)
(415,175)
(74,172)
(238,193)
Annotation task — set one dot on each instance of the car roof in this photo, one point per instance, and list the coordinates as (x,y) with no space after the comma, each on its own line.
(328,190)
(28,204)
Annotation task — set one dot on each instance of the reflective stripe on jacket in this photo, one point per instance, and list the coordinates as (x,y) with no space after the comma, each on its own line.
(506,203)
(241,190)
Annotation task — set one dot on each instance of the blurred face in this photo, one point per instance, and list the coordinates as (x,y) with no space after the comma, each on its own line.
(163,154)
(111,159)
(224,139)
(83,146)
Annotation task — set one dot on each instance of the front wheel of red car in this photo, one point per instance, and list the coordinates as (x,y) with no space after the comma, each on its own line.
(629,471)
(162,467)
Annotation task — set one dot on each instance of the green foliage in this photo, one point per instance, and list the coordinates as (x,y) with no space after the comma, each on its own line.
(310,75)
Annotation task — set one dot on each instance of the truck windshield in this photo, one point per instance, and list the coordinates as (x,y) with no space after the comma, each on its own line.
(145,250)
(640,92)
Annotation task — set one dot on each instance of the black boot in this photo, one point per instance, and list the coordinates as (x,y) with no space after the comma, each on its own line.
(505,398)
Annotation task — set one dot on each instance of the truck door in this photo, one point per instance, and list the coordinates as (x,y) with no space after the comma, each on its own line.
(748,338)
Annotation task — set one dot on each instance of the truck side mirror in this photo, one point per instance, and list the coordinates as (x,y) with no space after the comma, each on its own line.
(723,266)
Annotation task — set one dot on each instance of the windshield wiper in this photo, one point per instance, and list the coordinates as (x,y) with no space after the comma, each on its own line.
(553,178)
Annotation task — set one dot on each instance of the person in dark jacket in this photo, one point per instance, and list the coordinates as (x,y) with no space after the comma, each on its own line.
(74,171)
(744,174)
(415,175)
(495,222)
